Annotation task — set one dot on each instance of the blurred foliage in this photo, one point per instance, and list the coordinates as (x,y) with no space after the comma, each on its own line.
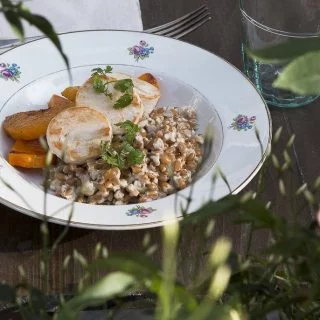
(16,12)
(300,58)
(283,281)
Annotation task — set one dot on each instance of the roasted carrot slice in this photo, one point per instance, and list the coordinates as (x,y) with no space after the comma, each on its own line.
(70,93)
(31,125)
(148,77)
(24,160)
(60,102)
(31,147)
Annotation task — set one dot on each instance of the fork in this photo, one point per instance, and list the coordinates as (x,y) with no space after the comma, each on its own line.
(175,29)
(183,25)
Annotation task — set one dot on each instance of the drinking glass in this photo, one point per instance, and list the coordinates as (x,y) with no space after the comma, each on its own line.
(270,22)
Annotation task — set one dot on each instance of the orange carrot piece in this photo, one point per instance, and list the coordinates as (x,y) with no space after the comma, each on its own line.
(59,102)
(29,147)
(24,160)
(148,77)
(70,93)
(31,125)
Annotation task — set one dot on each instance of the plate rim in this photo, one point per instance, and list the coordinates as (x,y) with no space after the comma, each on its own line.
(159,223)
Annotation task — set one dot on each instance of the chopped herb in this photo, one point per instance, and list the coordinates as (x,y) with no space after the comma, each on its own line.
(100,71)
(134,156)
(123,101)
(108,69)
(130,130)
(97,71)
(111,156)
(125,155)
(125,86)
(98,84)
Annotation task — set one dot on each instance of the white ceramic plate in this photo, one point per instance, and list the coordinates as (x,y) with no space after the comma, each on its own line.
(188,75)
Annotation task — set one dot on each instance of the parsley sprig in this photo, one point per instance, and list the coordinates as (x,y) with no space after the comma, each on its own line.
(100,71)
(125,155)
(125,86)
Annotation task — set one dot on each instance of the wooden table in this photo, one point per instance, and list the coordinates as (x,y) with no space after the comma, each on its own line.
(20,240)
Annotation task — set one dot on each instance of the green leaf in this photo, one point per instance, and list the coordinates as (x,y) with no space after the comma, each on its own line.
(255,212)
(130,130)
(143,269)
(124,85)
(302,75)
(97,71)
(135,156)
(210,210)
(208,310)
(167,304)
(15,23)
(123,101)
(278,303)
(124,155)
(135,264)
(44,26)
(111,156)
(98,84)
(108,287)
(100,71)
(108,69)
(286,51)
(250,211)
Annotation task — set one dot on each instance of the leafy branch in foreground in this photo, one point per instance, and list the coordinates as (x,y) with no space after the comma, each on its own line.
(282,280)
(301,58)
(15,13)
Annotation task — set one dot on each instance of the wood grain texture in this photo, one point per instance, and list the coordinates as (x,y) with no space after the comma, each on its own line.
(20,239)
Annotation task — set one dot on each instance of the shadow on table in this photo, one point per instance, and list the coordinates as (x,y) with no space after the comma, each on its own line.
(19,232)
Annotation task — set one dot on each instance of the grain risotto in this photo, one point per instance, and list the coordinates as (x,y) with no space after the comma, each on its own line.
(172,150)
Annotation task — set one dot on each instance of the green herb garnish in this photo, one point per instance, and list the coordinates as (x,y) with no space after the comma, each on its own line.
(133,156)
(125,155)
(130,130)
(125,86)
(98,84)
(123,101)
(111,156)
(100,71)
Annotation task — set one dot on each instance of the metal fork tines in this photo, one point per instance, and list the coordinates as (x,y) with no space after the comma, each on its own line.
(183,25)
(175,29)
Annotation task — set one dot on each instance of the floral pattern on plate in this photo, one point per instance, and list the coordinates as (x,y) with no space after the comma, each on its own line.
(141,51)
(140,211)
(243,122)
(10,71)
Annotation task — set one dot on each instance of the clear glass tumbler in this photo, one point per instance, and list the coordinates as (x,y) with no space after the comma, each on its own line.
(270,22)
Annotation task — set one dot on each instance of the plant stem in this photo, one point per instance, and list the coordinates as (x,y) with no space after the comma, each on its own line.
(249,235)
